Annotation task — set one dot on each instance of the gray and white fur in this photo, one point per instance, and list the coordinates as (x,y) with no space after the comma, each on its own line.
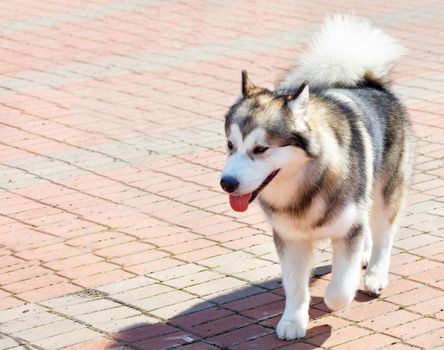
(327,155)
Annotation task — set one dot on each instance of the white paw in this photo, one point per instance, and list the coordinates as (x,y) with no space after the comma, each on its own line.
(291,329)
(374,282)
(338,298)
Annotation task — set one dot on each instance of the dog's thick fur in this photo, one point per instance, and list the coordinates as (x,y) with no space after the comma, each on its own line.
(328,155)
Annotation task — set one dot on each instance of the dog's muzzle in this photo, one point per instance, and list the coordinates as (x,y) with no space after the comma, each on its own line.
(241,202)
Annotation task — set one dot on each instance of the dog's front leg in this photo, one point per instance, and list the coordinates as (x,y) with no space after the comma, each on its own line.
(346,268)
(295,258)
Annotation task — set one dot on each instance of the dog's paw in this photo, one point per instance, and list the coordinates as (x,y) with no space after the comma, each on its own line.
(374,282)
(290,329)
(337,298)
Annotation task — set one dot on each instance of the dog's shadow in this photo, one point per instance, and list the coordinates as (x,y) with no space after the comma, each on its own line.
(243,319)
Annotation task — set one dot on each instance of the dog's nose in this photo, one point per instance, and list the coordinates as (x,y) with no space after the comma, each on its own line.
(229,184)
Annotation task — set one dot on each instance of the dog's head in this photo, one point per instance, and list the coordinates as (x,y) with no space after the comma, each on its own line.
(266,132)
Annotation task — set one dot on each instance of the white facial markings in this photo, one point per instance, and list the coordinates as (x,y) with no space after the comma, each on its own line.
(248,169)
(235,136)
(256,137)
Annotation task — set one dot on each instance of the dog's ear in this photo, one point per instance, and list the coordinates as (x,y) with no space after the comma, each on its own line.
(298,104)
(247,86)
(301,95)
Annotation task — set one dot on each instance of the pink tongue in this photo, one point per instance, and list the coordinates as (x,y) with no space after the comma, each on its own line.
(240,203)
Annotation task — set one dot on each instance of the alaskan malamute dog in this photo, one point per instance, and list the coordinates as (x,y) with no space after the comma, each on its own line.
(327,155)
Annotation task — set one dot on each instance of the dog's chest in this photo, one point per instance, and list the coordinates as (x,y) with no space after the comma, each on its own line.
(292,228)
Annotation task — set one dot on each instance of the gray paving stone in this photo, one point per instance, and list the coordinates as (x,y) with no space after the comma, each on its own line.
(142,292)
(177,272)
(416,241)
(108,315)
(8,342)
(223,259)
(232,294)
(71,299)
(27,322)
(126,285)
(261,273)
(237,267)
(182,308)
(193,279)
(120,324)
(20,312)
(214,286)
(68,339)
(88,307)
(48,330)
(162,300)
(261,249)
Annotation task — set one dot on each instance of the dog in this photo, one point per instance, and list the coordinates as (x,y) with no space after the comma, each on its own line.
(328,155)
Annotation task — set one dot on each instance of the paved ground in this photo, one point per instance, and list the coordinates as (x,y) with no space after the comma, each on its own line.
(113,230)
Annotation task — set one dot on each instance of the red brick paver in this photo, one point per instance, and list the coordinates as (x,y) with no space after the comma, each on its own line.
(114,233)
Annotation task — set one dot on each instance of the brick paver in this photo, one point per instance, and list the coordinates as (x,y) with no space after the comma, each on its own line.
(114,233)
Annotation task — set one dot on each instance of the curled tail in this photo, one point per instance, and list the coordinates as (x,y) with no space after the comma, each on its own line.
(346,52)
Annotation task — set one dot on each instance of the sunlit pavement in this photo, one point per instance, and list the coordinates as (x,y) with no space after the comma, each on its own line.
(114,233)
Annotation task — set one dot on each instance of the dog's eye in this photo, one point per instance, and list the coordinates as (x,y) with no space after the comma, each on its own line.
(259,149)
(230,145)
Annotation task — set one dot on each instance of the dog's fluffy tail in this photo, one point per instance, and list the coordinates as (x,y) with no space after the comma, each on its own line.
(346,52)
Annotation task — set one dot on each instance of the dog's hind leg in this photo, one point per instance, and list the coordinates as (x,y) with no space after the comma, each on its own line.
(385,215)
(295,259)
(346,268)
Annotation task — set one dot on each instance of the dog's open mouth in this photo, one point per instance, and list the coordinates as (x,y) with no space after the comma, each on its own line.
(241,202)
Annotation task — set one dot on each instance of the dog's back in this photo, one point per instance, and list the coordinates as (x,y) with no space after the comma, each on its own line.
(348,65)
